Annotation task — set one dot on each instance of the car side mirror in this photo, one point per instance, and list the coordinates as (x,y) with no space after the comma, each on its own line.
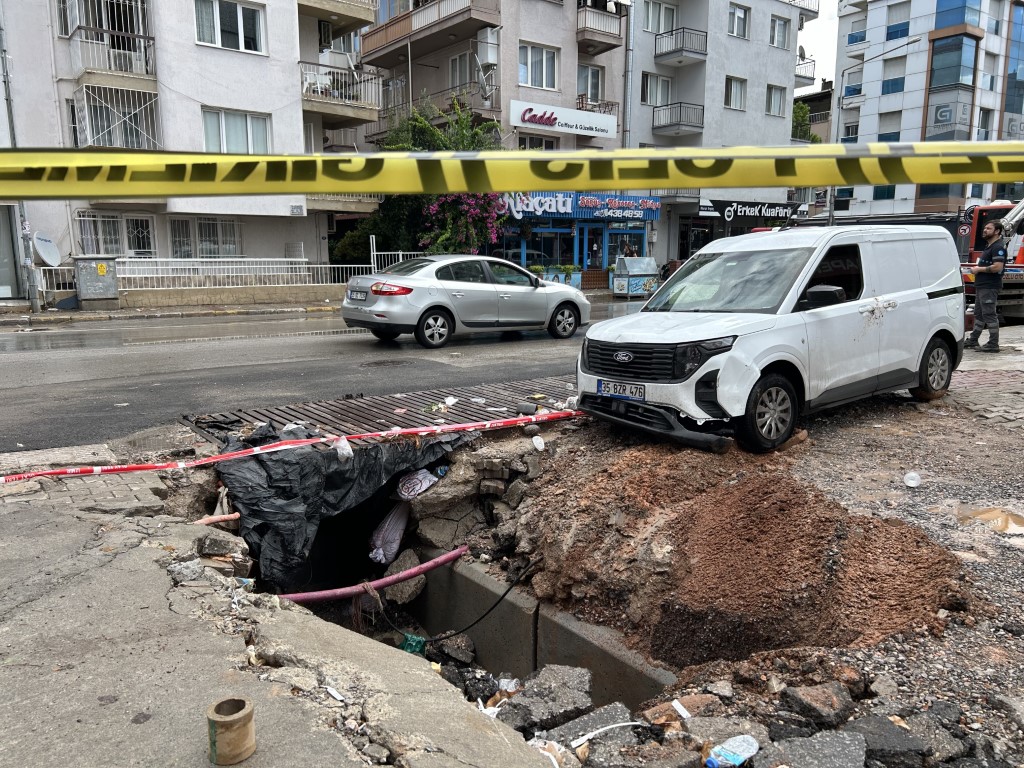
(536,282)
(824,296)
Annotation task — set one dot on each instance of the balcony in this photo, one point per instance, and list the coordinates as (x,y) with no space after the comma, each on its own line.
(344,203)
(678,119)
(810,7)
(484,105)
(427,28)
(587,104)
(675,195)
(344,15)
(681,47)
(105,57)
(804,73)
(342,97)
(597,31)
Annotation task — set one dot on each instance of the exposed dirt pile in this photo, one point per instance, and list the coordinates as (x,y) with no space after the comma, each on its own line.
(696,558)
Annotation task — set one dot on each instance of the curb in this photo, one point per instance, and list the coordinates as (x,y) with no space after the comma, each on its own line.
(54,318)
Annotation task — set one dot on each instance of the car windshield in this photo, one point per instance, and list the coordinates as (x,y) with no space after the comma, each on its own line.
(731,281)
(408,267)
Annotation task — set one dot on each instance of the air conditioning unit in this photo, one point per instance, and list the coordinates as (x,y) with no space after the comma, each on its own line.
(326,35)
(487,47)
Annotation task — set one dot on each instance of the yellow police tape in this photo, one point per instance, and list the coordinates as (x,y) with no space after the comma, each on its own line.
(31,174)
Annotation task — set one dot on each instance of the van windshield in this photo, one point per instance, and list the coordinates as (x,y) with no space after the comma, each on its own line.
(731,281)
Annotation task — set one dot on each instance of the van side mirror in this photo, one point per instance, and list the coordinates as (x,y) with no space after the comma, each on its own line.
(824,296)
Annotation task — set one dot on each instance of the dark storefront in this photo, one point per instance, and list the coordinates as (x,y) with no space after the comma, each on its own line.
(727,218)
(585,229)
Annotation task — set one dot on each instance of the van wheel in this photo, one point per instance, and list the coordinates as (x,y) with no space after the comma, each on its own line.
(935,373)
(564,322)
(434,328)
(771,414)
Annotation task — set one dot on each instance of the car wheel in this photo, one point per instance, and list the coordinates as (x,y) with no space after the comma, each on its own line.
(564,322)
(385,335)
(771,414)
(434,328)
(935,373)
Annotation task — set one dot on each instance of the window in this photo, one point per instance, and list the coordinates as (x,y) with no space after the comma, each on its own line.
(995,16)
(884,192)
(236,132)
(775,100)
(889,126)
(506,274)
(128,17)
(462,272)
(590,82)
(659,17)
(985,132)
(851,132)
(893,75)
(739,18)
(204,236)
(655,90)
(940,190)
(347,43)
(526,141)
(953,61)
(854,85)
(537,66)
(458,70)
(949,13)
(735,93)
(988,72)
(977,190)
(844,193)
(100,233)
(897,21)
(841,266)
(230,25)
(778,33)
(858,32)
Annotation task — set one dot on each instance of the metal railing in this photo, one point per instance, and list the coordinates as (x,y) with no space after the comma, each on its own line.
(681,39)
(819,117)
(805,69)
(340,86)
(469,97)
(104,50)
(586,104)
(116,117)
(384,259)
(347,197)
(135,274)
(603,22)
(678,192)
(807,5)
(425,14)
(679,113)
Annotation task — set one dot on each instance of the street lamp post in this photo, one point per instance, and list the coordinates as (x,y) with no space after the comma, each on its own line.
(839,105)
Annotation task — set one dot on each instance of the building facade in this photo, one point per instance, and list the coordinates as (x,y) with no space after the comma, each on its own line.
(927,70)
(198,76)
(600,74)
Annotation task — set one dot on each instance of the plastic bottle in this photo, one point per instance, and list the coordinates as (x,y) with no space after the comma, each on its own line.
(734,751)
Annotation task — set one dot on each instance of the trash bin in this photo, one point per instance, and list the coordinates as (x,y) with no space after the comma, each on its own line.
(96,278)
(635,276)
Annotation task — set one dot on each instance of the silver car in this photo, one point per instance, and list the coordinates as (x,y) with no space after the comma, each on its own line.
(434,297)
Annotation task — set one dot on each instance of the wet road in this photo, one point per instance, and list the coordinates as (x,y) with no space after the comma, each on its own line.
(92,382)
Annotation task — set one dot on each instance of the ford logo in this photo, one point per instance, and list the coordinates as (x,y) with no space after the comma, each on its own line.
(623,357)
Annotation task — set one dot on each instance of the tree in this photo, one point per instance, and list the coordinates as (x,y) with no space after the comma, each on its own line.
(802,123)
(462,223)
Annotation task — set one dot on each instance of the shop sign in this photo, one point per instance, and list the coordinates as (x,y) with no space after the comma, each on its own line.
(757,210)
(578,205)
(526,114)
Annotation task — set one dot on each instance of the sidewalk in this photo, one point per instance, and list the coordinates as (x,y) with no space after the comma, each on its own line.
(18,313)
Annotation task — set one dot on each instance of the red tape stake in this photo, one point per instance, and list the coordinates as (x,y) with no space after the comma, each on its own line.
(286,444)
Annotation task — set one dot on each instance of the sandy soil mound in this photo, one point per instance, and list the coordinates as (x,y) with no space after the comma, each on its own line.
(698,557)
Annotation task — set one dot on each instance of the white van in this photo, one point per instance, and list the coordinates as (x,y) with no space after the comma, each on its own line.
(754,331)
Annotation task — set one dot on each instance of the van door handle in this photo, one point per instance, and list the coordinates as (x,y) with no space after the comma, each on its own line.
(866,309)
(890,304)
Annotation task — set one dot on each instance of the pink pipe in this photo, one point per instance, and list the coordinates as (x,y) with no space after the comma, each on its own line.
(387,581)
(217,519)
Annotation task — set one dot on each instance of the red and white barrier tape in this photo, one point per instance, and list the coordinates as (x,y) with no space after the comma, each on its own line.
(286,444)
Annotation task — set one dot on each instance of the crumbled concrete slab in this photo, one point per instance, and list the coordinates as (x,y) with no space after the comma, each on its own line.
(553,696)
(828,704)
(823,750)
(405,591)
(888,743)
(718,729)
(928,728)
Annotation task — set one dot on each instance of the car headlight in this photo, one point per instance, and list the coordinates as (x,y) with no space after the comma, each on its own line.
(690,357)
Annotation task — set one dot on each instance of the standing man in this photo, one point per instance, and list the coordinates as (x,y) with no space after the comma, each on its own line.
(988,279)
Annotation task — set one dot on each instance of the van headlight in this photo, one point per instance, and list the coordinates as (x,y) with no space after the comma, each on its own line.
(690,357)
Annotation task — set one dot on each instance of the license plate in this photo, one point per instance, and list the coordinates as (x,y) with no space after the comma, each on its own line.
(357,295)
(620,390)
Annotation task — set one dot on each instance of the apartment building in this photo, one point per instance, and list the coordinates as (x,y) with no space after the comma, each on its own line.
(603,74)
(196,76)
(927,70)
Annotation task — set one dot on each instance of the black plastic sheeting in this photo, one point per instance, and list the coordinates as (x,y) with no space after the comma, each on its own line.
(283,496)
